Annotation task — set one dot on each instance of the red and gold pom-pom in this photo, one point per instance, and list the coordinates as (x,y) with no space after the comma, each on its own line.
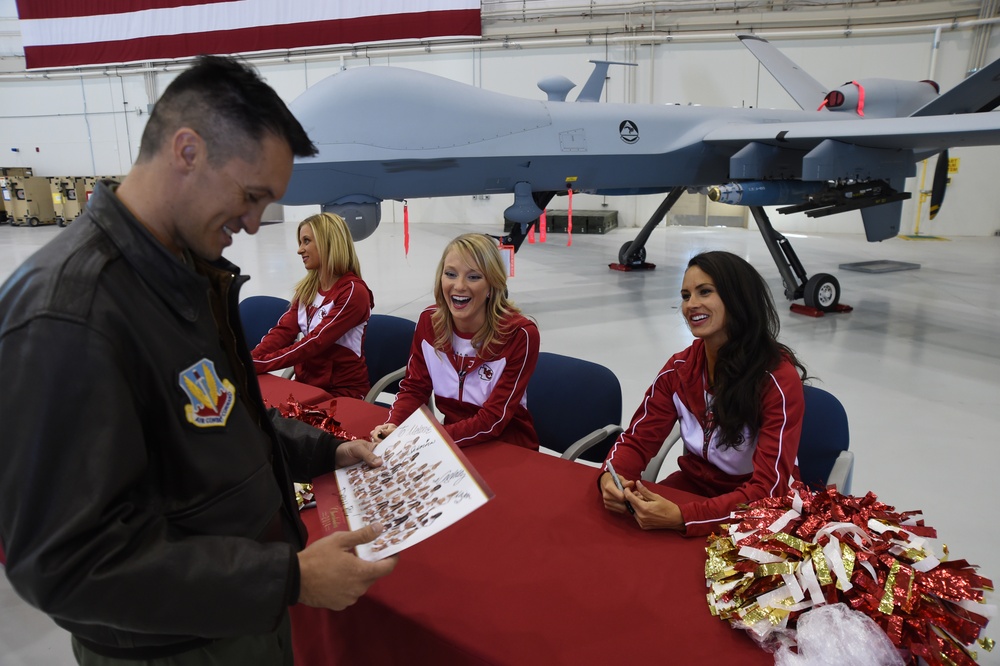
(304,496)
(322,418)
(783,556)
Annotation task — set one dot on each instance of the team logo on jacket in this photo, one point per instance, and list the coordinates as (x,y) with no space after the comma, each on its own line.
(210,399)
(485,372)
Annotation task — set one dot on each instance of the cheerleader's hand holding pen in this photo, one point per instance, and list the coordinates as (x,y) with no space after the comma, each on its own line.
(619,486)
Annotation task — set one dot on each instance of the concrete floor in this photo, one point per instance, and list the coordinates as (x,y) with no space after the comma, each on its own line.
(916,364)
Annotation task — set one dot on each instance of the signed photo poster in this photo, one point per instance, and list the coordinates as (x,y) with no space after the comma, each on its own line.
(424,485)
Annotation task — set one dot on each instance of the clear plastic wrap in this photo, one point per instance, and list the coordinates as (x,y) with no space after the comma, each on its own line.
(836,635)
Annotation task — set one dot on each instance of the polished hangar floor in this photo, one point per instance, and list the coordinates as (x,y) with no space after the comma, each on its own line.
(916,364)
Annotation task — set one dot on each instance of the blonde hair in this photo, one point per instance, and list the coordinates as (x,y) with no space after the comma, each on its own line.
(480,251)
(335,249)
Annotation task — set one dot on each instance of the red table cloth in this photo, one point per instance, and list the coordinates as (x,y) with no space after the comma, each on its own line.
(542,574)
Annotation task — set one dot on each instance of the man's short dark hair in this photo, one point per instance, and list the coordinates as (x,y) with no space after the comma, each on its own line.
(227,103)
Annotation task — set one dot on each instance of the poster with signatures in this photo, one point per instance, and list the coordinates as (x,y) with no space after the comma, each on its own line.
(424,485)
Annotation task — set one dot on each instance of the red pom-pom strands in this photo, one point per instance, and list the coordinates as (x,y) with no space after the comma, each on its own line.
(784,556)
(317,417)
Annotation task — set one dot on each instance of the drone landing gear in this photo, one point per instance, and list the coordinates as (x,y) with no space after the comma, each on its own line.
(629,261)
(821,292)
(632,255)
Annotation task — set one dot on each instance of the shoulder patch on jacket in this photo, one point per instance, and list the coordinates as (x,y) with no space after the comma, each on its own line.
(210,399)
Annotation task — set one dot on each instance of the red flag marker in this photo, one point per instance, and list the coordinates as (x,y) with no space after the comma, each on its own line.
(569,220)
(406,229)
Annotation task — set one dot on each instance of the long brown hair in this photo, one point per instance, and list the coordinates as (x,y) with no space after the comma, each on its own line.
(751,349)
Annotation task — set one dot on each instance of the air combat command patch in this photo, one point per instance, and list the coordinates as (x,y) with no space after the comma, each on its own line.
(211,399)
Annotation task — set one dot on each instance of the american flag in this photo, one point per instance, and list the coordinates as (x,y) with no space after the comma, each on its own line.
(65,33)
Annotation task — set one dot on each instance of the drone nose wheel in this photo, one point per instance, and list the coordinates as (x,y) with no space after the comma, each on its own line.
(637,258)
(822,292)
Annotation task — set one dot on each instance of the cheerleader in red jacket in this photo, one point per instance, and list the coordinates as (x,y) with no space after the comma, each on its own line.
(330,310)
(737,393)
(474,350)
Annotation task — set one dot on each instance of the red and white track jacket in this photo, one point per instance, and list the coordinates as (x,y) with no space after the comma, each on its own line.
(330,353)
(725,477)
(482,399)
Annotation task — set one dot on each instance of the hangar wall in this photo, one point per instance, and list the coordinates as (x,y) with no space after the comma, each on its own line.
(91,124)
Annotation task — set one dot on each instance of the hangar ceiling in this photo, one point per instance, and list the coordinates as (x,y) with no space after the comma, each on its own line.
(537,23)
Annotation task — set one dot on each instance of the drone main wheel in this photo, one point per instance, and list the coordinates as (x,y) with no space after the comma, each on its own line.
(822,292)
(636,259)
